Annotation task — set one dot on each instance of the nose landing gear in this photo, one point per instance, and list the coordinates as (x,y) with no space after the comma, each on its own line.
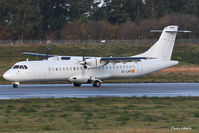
(15,84)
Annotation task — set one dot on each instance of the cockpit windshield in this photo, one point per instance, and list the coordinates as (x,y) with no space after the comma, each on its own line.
(20,67)
(25,67)
(16,67)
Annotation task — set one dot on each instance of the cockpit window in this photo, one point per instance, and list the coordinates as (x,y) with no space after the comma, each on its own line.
(16,67)
(25,67)
(20,67)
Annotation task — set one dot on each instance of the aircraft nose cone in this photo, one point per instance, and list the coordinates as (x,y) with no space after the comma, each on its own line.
(7,76)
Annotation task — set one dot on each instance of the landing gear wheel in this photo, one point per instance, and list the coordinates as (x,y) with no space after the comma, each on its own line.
(96,84)
(76,84)
(15,86)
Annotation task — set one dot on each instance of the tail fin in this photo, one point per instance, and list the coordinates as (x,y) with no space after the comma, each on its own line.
(163,48)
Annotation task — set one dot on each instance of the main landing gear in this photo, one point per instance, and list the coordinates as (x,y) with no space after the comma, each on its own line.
(15,84)
(96,83)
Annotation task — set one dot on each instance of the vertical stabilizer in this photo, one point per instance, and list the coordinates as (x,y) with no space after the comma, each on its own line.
(163,48)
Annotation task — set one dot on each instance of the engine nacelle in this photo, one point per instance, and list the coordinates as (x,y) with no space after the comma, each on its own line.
(95,62)
(55,58)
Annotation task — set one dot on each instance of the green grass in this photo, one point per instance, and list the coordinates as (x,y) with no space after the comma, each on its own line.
(98,114)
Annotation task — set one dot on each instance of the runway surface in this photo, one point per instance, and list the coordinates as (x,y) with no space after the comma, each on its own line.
(106,90)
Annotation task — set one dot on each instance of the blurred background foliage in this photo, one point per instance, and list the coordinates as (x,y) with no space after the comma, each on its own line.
(94,19)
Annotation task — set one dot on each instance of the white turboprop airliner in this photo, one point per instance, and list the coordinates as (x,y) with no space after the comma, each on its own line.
(81,70)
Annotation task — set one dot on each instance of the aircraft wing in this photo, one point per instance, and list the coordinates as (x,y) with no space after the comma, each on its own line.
(106,59)
(45,55)
(38,55)
(122,58)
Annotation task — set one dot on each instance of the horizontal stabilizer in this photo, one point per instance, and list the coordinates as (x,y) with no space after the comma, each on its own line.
(179,31)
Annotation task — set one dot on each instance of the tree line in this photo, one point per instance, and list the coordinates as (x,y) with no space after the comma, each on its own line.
(94,19)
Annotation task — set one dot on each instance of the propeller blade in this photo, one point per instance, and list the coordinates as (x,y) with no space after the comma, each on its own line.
(83,58)
(47,51)
(83,53)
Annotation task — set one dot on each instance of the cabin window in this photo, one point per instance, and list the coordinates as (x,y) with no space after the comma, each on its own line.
(77,68)
(117,67)
(109,67)
(56,69)
(120,67)
(49,69)
(113,67)
(63,69)
(74,68)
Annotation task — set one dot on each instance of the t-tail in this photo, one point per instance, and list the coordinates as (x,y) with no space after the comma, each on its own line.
(163,48)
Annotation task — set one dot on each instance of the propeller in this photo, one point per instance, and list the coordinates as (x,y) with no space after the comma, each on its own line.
(47,51)
(83,62)
(83,53)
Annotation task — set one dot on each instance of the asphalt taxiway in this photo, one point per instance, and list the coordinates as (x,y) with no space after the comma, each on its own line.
(106,90)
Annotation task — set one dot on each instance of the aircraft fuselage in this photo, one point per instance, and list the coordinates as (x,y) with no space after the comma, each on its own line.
(67,70)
